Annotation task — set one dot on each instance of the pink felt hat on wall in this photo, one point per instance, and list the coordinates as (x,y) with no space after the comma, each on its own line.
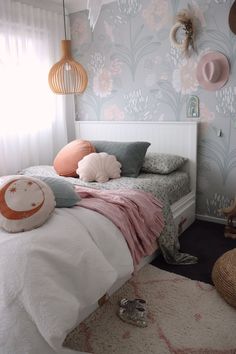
(213,71)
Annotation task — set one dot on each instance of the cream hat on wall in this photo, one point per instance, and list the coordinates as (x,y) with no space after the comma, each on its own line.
(213,71)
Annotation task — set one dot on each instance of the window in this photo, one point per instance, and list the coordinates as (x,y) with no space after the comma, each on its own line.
(32,118)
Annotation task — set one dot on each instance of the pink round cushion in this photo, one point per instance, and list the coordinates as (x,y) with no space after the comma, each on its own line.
(66,161)
(25,203)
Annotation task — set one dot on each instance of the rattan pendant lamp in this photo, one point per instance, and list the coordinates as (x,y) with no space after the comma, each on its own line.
(67,76)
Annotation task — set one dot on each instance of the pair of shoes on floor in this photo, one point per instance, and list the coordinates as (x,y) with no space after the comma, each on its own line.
(133,311)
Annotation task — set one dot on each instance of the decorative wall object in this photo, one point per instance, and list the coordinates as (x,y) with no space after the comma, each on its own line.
(232,18)
(184,21)
(67,76)
(192,109)
(213,71)
(135,74)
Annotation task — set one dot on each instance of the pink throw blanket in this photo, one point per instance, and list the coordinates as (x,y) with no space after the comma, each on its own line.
(136,213)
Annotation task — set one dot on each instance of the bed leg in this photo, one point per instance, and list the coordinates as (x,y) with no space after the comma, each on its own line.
(103,300)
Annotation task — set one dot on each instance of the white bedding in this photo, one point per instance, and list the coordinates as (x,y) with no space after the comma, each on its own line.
(50,275)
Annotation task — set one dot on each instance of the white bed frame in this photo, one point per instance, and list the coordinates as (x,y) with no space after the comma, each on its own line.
(178,138)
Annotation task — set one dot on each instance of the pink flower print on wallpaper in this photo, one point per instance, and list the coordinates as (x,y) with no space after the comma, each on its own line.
(113,112)
(184,78)
(103,83)
(157,14)
(116,67)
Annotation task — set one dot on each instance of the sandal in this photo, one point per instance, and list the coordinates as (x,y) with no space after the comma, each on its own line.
(136,303)
(137,317)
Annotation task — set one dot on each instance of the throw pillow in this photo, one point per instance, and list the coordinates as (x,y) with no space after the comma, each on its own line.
(99,167)
(162,163)
(25,203)
(64,193)
(129,154)
(66,161)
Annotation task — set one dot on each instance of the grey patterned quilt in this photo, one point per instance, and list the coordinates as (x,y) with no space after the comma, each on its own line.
(167,188)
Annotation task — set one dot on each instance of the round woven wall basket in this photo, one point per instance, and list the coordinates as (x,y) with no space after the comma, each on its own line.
(224,276)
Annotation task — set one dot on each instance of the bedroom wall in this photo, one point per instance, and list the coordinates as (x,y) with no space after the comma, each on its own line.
(135,74)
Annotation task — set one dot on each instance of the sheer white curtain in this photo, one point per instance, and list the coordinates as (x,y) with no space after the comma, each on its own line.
(32,119)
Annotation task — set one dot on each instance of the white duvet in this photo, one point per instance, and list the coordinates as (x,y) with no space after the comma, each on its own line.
(50,275)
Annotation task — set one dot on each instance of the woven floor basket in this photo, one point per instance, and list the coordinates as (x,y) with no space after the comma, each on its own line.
(224,276)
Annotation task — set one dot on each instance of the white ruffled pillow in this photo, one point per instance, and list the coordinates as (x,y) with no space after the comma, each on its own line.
(25,203)
(99,167)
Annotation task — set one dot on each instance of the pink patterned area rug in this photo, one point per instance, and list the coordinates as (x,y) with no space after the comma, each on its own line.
(185,317)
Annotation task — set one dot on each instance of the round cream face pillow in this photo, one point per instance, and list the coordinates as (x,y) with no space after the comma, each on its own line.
(99,167)
(66,161)
(25,203)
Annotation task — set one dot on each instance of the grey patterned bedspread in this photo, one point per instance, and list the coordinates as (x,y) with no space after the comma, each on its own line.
(167,188)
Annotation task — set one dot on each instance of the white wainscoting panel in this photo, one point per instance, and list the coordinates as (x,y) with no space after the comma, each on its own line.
(178,138)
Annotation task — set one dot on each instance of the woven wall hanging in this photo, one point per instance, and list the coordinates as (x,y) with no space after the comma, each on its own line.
(184,22)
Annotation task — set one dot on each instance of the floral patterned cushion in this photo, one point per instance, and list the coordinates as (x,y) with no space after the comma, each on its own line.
(162,163)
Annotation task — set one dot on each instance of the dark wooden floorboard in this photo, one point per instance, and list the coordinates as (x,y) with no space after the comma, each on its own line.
(206,241)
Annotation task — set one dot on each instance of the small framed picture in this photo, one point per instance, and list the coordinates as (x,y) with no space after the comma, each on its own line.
(192,108)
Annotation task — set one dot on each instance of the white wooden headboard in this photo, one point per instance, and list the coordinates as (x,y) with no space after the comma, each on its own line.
(178,138)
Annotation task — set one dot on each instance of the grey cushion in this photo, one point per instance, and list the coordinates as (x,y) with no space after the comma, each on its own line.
(129,154)
(65,195)
(162,163)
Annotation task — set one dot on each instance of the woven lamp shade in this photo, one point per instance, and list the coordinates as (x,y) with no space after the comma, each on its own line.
(67,76)
(224,276)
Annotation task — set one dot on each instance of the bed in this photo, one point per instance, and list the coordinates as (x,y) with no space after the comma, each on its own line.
(50,284)
(167,137)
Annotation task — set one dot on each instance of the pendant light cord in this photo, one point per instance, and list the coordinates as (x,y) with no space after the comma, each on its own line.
(64,15)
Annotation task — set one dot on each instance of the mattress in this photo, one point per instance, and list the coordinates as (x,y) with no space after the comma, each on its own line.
(171,187)
(166,188)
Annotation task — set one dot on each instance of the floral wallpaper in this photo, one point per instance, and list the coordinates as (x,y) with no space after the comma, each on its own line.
(135,74)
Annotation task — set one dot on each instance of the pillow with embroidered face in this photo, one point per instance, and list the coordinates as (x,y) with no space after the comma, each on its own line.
(25,203)
(99,167)
(161,163)
(66,161)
